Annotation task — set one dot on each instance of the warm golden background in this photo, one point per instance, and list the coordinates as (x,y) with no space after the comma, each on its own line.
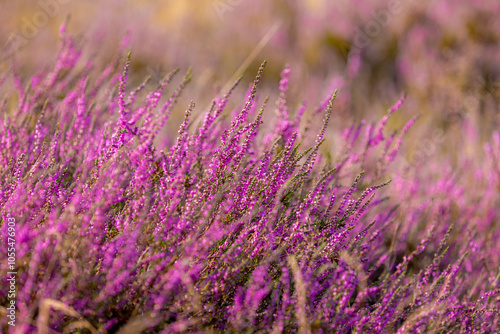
(443,54)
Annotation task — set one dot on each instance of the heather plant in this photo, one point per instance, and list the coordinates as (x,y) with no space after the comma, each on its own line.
(444,53)
(233,225)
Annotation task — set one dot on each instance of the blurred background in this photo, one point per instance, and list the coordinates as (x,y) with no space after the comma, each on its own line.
(443,54)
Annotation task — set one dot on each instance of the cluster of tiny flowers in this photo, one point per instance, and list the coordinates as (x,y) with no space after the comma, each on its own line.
(232,226)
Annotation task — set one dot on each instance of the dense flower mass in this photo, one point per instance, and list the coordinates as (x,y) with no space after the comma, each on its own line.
(234,225)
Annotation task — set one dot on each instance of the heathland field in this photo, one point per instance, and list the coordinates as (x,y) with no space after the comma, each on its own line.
(237,166)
